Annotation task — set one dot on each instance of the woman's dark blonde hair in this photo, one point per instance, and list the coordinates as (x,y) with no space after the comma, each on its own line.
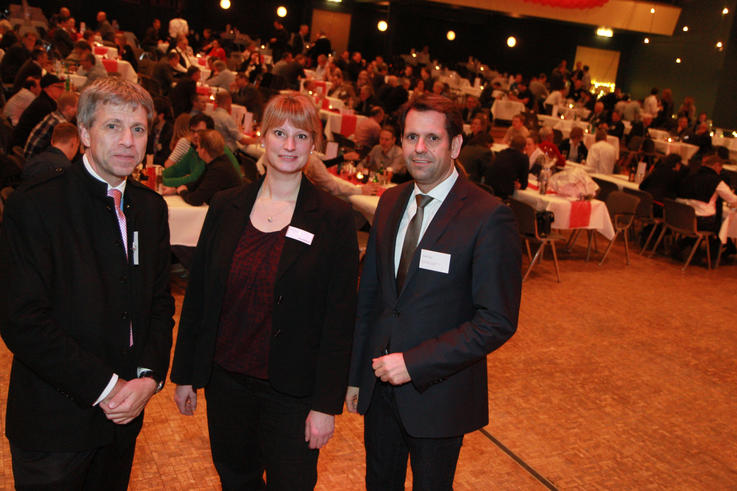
(299,110)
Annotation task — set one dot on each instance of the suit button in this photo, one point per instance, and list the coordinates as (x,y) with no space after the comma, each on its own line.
(124,316)
(395,313)
(279,299)
(277,332)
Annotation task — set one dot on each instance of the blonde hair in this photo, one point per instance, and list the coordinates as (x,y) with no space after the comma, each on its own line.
(299,110)
(181,129)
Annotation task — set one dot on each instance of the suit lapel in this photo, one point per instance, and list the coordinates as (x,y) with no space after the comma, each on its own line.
(444,216)
(306,217)
(392,227)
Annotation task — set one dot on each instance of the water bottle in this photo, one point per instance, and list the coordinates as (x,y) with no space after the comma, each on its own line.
(544,178)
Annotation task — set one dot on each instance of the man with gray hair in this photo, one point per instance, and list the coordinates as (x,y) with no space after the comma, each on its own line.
(88,316)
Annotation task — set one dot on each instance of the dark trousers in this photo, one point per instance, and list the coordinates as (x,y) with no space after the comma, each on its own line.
(388,445)
(107,467)
(253,429)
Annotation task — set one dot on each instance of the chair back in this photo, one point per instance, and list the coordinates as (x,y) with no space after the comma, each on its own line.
(645,208)
(622,207)
(680,217)
(605,187)
(525,215)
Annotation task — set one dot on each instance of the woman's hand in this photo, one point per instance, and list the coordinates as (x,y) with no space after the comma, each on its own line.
(186,399)
(319,428)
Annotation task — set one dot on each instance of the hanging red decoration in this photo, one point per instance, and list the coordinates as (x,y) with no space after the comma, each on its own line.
(570,4)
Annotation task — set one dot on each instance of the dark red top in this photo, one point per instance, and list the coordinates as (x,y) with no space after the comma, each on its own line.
(245,320)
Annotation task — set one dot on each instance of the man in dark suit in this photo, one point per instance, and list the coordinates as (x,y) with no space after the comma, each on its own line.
(88,315)
(509,169)
(51,88)
(59,155)
(440,289)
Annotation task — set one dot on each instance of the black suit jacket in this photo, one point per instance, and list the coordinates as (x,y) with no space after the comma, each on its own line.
(314,297)
(34,113)
(510,165)
(444,324)
(66,313)
(219,175)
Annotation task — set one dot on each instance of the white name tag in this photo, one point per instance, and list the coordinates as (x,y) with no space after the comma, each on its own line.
(135,248)
(301,235)
(435,261)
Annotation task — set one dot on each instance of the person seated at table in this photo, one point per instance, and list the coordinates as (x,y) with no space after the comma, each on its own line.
(522,94)
(253,67)
(40,137)
(184,164)
(662,181)
(509,169)
(35,67)
(184,53)
(162,130)
(392,95)
(366,100)
(62,38)
(701,139)
(92,69)
(22,99)
(386,154)
(549,148)
(152,37)
(479,134)
(291,69)
(616,126)
(683,130)
(471,108)
(602,155)
(597,116)
(165,70)
(125,51)
(573,148)
(81,49)
(688,109)
(61,153)
(535,155)
(184,91)
(215,50)
(518,128)
(221,77)
(705,191)
(226,124)
(246,94)
(368,129)
(641,127)
(219,173)
(341,88)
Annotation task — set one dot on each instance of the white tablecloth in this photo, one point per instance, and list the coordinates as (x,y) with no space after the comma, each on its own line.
(119,66)
(506,109)
(562,209)
(333,123)
(685,150)
(729,225)
(185,221)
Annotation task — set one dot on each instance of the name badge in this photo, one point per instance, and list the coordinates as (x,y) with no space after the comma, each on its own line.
(435,261)
(301,235)
(134,249)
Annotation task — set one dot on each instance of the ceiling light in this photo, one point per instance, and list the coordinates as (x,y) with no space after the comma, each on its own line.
(511,41)
(604,32)
(281,11)
(678,60)
(382,25)
(225,4)
(451,35)
(652,10)
(685,28)
(646,40)
(725,11)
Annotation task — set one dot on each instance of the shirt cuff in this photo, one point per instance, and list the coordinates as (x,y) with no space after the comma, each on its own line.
(108,389)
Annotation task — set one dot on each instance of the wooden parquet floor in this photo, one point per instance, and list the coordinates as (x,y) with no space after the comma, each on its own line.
(618,378)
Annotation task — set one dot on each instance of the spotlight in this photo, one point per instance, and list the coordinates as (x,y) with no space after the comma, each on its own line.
(225,4)
(646,40)
(382,25)
(678,60)
(451,35)
(281,11)
(511,41)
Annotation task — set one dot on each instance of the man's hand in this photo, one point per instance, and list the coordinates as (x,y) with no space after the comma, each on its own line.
(370,189)
(351,156)
(168,191)
(391,368)
(351,399)
(125,404)
(186,399)
(182,189)
(319,428)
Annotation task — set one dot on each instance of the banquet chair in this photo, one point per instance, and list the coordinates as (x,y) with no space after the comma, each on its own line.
(527,224)
(644,214)
(605,187)
(622,210)
(630,153)
(680,218)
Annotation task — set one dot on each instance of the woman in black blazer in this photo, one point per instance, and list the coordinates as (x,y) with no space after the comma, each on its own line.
(267,322)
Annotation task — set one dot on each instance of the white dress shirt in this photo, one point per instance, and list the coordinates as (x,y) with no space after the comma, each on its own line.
(601,158)
(438,193)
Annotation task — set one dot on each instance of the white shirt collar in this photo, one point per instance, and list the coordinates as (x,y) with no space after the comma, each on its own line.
(439,192)
(88,166)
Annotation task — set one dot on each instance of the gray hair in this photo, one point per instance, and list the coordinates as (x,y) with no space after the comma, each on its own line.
(114,91)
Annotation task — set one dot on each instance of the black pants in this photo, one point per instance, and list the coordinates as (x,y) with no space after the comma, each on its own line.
(107,467)
(388,445)
(253,429)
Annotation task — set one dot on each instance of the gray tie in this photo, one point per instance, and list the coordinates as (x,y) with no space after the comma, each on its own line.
(411,238)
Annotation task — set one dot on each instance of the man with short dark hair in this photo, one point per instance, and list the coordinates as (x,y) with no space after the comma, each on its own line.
(61,153)
(32,67)
(104,29)
(16,55)
(440,289)
(88,316)
(164,71)
(221,77)
(509,169)
(225,123)
(89,67)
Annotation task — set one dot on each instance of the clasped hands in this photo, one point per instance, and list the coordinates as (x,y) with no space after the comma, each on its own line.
(127,399)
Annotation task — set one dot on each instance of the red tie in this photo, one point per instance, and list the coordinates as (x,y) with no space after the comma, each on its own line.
(117,195)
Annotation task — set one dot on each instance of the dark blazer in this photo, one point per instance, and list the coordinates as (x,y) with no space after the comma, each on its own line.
(46,162)
(314,297)
(444,324)
(565,149)
(510,165)
(34,113)
(219,175)
(66,313)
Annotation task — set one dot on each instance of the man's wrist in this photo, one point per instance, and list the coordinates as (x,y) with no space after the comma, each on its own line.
(147,373)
